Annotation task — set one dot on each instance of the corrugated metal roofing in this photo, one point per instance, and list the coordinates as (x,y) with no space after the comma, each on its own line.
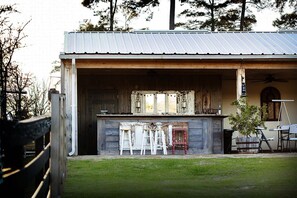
(181,43)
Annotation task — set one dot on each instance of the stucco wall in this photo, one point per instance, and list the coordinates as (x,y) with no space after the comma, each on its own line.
(287,90)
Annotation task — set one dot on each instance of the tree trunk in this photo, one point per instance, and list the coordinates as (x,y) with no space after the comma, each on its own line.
(212,16)
(242,15)
(111,16)
(172,15)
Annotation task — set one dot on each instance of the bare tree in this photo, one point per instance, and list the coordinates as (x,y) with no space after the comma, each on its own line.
(17,101)
(38,98)
(11,37)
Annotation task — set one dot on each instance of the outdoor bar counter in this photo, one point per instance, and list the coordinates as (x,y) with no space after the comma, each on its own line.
(205,131)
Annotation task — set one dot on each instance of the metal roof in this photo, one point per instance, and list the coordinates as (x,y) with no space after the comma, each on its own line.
(182,44)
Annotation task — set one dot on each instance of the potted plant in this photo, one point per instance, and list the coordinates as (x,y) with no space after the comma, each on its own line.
(245,121)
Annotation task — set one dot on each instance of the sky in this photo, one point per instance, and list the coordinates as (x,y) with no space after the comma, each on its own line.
(51,18)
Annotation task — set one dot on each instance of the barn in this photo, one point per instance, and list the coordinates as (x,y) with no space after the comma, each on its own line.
(181,82)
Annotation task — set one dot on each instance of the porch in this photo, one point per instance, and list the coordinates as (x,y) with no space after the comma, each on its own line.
(204,76)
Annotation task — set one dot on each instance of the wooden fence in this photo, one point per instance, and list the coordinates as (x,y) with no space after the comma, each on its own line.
(42,175)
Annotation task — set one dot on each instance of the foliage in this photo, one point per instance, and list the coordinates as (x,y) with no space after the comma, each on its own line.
(200,177)
(287,20)
(106,11)
(217,15)
(247,117)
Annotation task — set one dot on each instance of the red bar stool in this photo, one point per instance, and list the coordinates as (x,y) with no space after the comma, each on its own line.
(179,138)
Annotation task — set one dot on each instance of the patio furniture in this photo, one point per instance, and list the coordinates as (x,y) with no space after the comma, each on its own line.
(179,138)
(292,136)
(160,141)
(126,136)
(147,138)
(263,138)
(282,133)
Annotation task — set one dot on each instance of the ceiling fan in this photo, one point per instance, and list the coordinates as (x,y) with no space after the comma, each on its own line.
(270,78)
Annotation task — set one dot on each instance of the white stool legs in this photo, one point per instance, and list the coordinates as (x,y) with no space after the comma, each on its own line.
(126,135)
(146,135)
(160,141)
(164,143)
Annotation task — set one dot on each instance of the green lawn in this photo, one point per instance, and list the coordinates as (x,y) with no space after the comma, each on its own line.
(219,177)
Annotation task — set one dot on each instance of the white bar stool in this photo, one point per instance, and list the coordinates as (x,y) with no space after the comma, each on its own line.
(159,139)
(126,135)
(147,138)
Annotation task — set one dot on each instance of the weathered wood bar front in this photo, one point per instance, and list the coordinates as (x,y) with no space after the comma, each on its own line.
(205,131)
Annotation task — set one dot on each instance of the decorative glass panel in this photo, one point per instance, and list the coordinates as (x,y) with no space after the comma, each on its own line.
(172,103)
(149,103)
(161,103)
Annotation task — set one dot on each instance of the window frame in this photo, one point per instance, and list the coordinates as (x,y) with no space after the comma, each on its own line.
(266,96)
(184,102)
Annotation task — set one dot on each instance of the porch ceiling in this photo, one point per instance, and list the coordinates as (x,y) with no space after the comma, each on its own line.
(286,74)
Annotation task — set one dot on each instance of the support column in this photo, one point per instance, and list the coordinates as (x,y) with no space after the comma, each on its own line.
(240,83)
(63,89)
(66,89)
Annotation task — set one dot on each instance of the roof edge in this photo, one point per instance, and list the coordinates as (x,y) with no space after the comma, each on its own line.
(177,57)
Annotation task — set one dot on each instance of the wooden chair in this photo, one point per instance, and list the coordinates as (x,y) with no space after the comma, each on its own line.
(179,138)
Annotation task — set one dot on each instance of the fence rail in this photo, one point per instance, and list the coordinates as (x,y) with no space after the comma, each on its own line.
(42,176)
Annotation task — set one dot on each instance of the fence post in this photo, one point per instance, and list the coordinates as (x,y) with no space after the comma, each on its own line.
(1,173)
(55,145)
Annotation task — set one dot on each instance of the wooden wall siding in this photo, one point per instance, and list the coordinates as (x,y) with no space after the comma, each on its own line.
(106,90)
(218,137)
(94,101)
(205,135)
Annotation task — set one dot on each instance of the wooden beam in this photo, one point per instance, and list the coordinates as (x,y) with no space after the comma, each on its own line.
(181,64)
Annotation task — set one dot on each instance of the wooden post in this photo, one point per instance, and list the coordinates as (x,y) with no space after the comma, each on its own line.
(62,142)
(240,80)
(55,145)
(58,145)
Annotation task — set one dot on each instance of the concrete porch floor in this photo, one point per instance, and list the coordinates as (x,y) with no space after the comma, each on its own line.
(204,156)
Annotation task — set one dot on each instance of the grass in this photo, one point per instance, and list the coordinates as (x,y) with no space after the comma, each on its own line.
(220,177)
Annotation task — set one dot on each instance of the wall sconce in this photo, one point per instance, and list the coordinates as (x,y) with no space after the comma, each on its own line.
(184,102)
(243,87)
(137,103)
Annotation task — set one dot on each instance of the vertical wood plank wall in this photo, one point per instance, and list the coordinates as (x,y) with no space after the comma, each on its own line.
(111,90)
(205,134)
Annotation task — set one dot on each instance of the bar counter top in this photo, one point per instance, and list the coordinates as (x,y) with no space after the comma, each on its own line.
(163,116)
